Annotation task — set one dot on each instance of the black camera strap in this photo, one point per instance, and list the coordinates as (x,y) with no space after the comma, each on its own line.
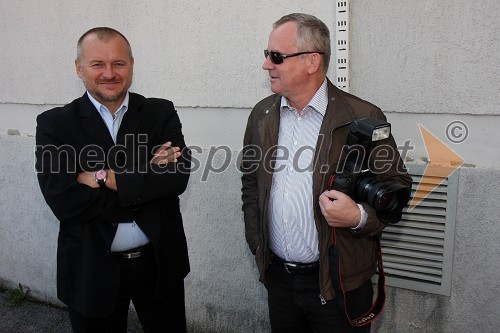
(340,297)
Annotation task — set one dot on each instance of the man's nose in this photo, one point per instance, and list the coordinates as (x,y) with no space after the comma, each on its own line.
(267,64)
(108,71)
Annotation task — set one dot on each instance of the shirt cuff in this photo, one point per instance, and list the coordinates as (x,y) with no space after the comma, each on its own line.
(364,217)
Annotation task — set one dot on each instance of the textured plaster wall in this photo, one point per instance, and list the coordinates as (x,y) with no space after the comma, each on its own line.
(427,62)
(427,56)
(222,290)
(197,53)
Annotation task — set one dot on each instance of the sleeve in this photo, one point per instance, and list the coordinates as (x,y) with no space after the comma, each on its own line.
(151,182)
(56,165)
(251,155)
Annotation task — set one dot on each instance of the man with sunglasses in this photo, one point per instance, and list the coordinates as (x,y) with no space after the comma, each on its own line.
(292,144)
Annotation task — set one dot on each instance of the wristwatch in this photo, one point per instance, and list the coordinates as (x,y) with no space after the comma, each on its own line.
(100,177)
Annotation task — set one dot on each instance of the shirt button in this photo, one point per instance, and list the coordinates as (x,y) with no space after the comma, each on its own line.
(295,143)
(299,118)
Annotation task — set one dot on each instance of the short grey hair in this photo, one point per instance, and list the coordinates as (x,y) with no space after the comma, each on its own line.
(312,35)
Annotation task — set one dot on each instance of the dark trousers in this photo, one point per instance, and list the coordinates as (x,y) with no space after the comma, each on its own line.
(295,304)
(138,284)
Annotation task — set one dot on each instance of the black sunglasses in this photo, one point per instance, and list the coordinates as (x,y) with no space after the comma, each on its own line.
(277,57)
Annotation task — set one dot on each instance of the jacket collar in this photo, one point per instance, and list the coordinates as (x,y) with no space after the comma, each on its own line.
(338,113)
(93,124)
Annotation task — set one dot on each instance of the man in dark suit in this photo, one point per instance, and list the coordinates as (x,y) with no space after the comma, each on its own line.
(111,166)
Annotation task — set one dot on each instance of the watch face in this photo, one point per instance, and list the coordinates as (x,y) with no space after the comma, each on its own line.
(100,175)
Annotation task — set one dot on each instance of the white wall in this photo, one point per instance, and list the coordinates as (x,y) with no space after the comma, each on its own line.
(427,56)
(426,62)
(196,53)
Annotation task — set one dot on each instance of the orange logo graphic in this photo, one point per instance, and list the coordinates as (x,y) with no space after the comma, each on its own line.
(442,162)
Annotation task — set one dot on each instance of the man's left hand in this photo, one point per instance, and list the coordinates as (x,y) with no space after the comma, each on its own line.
(166,154)
(339,210)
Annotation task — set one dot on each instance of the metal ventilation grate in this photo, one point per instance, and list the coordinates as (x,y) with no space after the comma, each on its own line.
(418,251)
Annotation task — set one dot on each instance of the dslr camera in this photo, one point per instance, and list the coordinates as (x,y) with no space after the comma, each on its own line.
(357,181)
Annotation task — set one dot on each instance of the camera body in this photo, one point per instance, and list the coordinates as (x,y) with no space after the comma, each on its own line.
(347,182)
(388,198)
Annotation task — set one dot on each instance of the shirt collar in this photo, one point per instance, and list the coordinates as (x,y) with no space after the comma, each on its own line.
(319,102)
(101,108)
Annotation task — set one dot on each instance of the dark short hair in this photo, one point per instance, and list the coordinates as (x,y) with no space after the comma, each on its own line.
(103,34)
(312,34)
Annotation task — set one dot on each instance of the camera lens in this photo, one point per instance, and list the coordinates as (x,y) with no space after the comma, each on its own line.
(372,192)
(387,201)
(385,197)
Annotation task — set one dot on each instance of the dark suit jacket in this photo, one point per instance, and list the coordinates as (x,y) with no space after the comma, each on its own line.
(74,138)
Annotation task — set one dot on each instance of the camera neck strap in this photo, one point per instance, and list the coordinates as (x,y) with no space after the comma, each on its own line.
(342,297)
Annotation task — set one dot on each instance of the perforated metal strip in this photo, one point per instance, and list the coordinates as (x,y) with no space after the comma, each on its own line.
(341,47)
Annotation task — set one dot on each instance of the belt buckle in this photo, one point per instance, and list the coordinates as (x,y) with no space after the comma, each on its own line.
(289,264)
(132,255)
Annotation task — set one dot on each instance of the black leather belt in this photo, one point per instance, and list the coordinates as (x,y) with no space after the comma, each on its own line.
(134,253)
(296,268)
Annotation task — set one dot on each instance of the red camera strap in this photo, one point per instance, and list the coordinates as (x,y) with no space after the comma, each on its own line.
(340,298)
(330,182)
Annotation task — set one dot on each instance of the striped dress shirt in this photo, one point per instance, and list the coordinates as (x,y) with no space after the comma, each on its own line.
(292,230)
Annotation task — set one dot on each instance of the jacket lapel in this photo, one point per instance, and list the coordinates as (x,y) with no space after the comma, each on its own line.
(131,119)
(268,128)
(93,124)
(337,112)
(337,115)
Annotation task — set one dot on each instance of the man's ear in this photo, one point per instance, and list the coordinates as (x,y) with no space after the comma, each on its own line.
(314,63)
(78,68)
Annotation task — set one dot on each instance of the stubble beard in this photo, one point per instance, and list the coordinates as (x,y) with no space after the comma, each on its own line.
(109,99)
(105,98)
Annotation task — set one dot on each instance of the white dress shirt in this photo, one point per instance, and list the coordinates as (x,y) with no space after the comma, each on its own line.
(128,234)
